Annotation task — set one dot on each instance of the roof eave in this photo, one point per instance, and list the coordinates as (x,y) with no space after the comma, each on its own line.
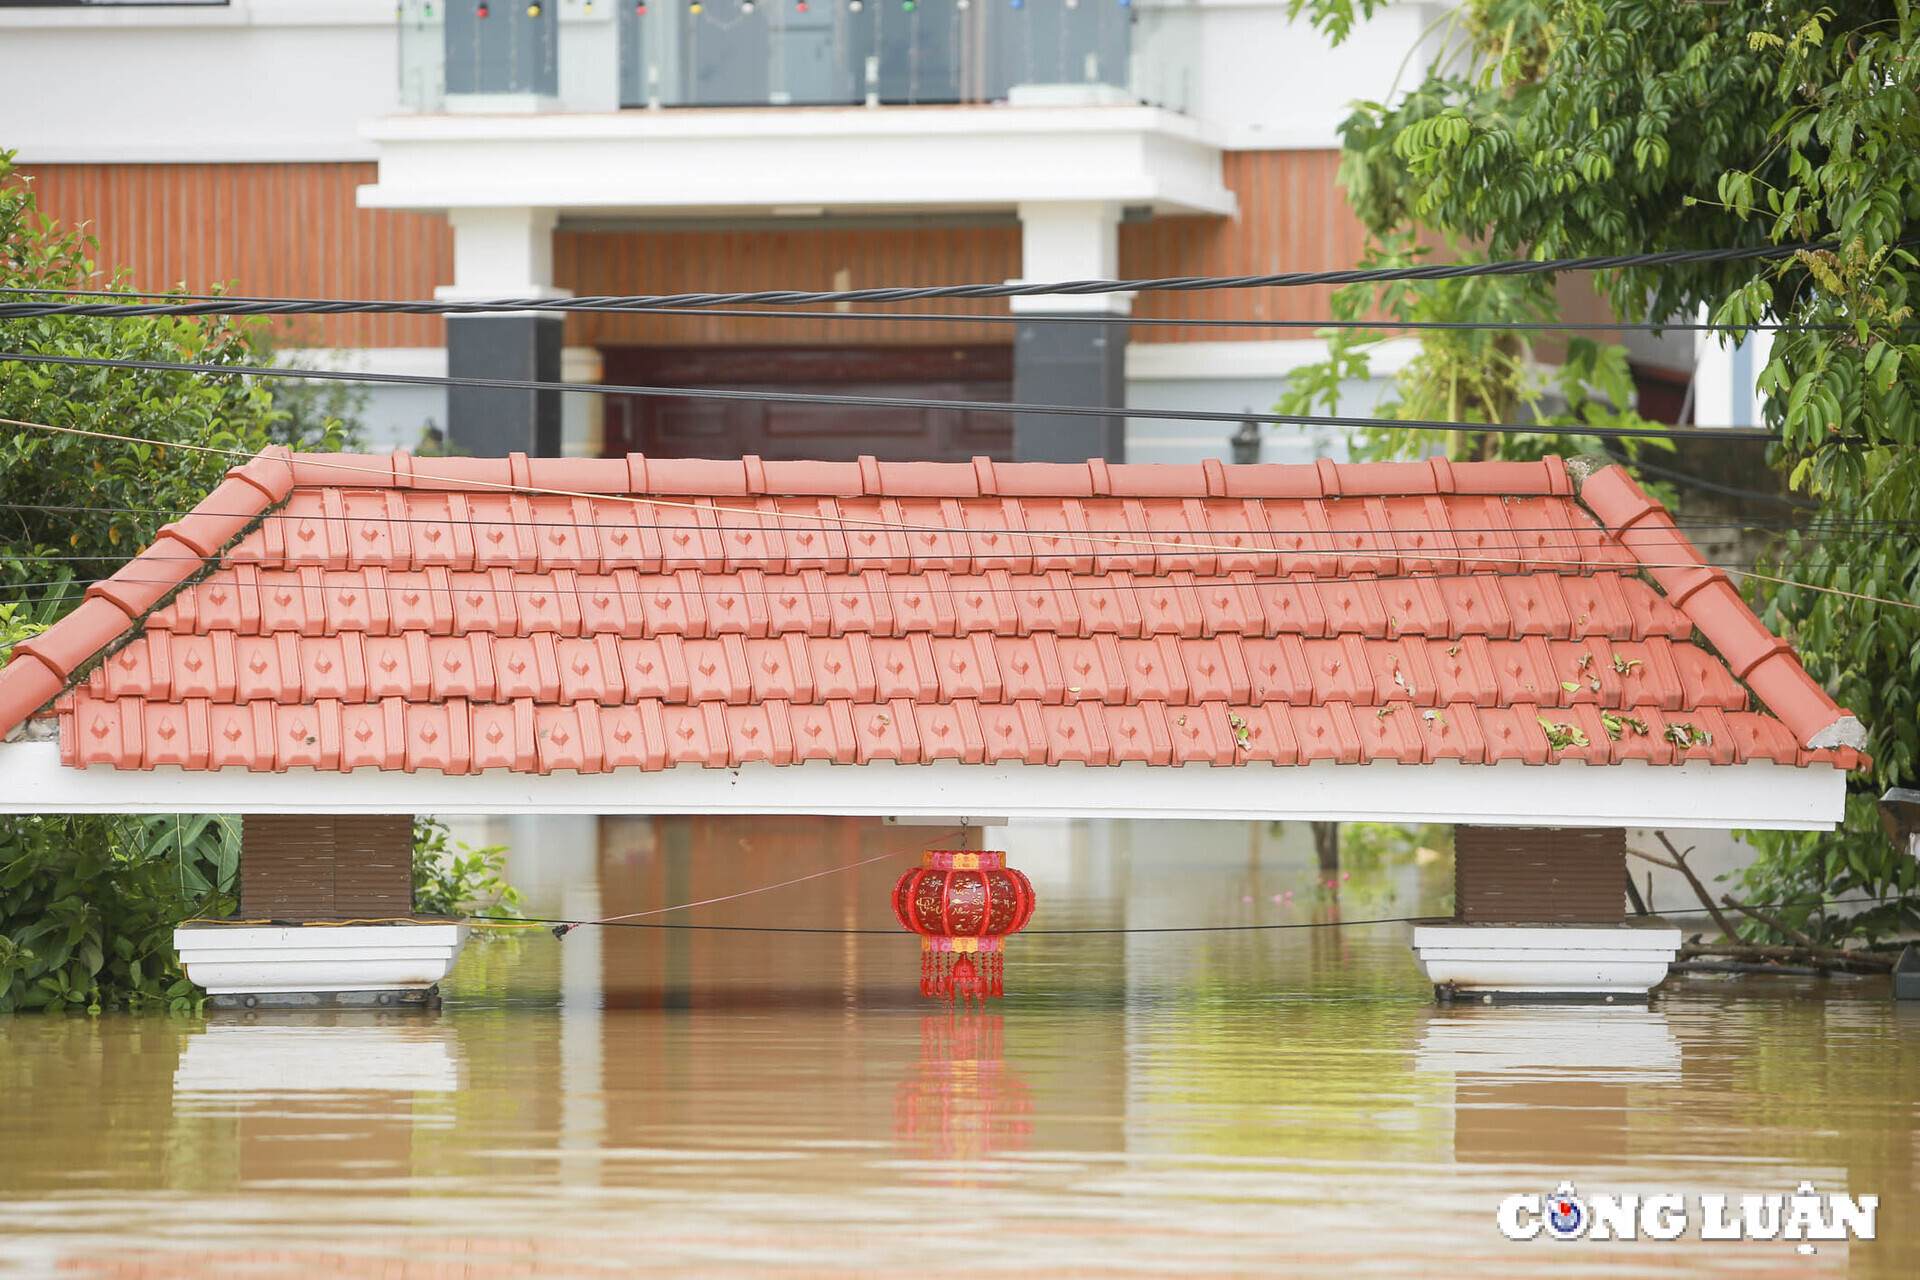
(1755,795)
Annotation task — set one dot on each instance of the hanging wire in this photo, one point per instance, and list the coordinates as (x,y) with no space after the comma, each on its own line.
(617,923)
(1168,544)
(905,402)
(1685,522)
(802,297)
(1130,321)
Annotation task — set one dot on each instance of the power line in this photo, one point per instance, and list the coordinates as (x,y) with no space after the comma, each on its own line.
(785,590)
(801,297)
(1833,527)
(1710,486)
(539,921)
(1131,321)
(1170,543)
(900,402)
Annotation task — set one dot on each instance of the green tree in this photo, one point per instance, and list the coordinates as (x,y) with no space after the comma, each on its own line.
(80,504)
(1551,128)
(88,903)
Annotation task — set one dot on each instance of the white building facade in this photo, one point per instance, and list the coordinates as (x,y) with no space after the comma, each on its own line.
(469,150)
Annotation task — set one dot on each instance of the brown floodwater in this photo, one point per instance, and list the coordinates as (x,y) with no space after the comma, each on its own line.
(642,1101)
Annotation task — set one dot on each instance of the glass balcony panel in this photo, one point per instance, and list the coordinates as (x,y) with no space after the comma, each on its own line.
(760,53)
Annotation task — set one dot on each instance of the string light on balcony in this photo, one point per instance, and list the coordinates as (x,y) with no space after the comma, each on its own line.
(746,6)
(854,6)
(907,6)
(482,11)
(533,11)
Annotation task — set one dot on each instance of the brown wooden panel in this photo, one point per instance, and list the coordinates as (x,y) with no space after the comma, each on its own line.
(679,261)
(278,230)
(1292,216)
(326,867)
(1540,875)
(294,230)
(373,871)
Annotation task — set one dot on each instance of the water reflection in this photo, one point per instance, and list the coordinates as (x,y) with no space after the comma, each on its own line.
(318,1053)
(961,1102)
(1548,1084)
(672,1101)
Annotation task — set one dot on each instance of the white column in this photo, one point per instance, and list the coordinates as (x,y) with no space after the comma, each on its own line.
(1070,240)
(501,253)
(1726,377)
(583,427)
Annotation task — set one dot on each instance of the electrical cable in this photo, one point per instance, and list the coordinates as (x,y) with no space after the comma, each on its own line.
(57,589)
(902,402)
(802,297)
(1130,321)
(1170,543)
(1711,486)
(541,922)
(1684,522)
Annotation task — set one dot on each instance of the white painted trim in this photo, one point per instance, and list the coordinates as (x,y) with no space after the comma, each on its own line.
(281,150)
(1625,960)
(422,362)
(1758,795)
(721,123)
(1183,361)
(237,13)
(238,959)
(845,160)
(577,364)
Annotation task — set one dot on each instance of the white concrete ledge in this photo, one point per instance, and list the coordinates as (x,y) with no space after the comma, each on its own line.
(842,159)
(1758,795)
(235,959)
(1546,960)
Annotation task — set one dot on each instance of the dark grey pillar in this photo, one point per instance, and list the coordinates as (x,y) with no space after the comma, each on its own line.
(1070,364)
(486,422)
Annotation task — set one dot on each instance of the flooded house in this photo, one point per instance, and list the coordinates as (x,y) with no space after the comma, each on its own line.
(329,644)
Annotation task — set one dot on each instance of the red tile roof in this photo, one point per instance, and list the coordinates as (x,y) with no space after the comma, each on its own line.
(466,614)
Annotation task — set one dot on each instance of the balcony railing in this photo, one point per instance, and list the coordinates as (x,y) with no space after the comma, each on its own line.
(578,54)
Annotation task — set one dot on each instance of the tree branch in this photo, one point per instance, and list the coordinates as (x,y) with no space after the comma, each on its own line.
(1700,890)
(1767,920)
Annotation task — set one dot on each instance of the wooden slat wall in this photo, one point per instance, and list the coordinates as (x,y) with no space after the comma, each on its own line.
(1540,875)
(292,230)
(629,262)
(326,867)
(276,230)
(1293,217)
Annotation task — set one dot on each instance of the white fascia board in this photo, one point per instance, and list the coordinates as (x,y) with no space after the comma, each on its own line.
(892,159)
(236,13)
(421,362)
(577,364)
(1185,361)
(1756,795)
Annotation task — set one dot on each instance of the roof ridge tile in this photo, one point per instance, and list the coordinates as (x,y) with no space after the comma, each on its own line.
(1705,596)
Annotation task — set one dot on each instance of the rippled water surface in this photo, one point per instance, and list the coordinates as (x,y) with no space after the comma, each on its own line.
(721,1102)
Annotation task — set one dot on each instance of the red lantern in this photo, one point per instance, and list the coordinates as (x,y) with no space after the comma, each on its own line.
(963,905)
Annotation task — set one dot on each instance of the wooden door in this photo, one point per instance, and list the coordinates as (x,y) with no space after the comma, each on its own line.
(688,427)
